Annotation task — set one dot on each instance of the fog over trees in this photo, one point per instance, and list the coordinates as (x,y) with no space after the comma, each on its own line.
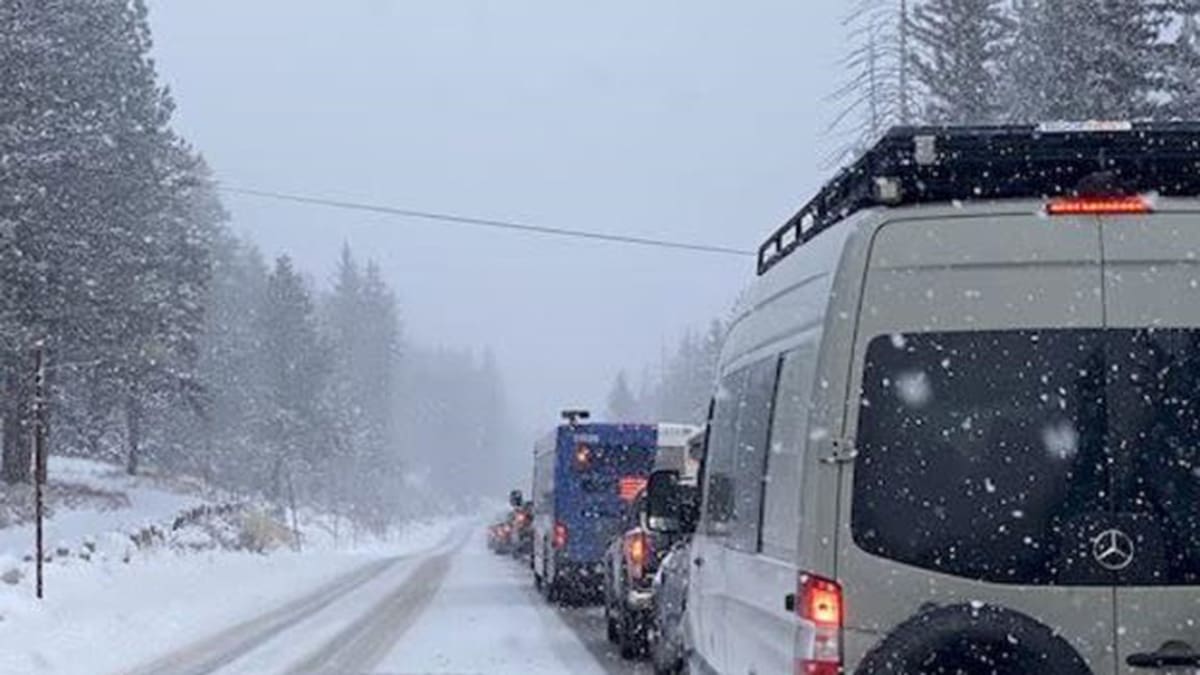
(173,344)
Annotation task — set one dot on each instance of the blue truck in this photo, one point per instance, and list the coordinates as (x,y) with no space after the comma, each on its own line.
(584,475)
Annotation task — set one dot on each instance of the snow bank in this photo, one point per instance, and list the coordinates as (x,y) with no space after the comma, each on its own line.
(112,604)
(144,502)
(107,616)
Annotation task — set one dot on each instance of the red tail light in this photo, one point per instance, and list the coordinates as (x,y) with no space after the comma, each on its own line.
(559,539)
(1075,206)
(629,487)
(637,552)
(819,601)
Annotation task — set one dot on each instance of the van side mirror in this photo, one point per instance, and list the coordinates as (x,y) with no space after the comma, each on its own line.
(516,499)
(670,506)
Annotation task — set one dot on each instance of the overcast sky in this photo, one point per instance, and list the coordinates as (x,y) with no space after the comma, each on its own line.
(697,120)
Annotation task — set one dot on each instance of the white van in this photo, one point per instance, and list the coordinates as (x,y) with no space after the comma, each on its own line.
(957,428)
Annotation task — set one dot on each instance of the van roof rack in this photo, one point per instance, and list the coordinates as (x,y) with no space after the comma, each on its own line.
(916,164)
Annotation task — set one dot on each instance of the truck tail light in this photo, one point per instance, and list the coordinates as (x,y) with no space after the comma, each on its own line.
(559,538)
(630,486)
(819,603)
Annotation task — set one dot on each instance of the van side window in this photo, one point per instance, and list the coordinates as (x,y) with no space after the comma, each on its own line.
(543,498)
(782,515)
(750,454)
(718,462)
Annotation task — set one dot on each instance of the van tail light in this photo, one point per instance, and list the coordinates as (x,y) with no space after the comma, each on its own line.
(1077,206)
(637,552)
(559,539)
(819,603)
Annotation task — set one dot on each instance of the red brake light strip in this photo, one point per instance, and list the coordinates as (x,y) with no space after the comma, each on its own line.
(1073,206)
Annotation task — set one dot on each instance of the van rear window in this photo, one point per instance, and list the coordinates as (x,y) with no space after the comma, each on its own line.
(1005,455)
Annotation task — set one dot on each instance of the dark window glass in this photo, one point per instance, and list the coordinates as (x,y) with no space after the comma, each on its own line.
(718,491)
(750,454)
(782,517)
(1004,455)
(1154,432)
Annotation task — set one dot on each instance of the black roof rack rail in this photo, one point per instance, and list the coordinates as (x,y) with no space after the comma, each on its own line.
(915,164)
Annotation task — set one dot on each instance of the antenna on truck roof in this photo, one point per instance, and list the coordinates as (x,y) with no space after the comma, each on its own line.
(912,165)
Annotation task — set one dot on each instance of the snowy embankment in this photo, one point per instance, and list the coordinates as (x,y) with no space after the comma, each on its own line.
(88,501)
(112,603)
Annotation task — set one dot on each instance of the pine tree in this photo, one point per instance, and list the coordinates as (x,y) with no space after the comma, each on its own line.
(363,325)
(1181,71)
(93,207)
(230,364)
(622,407)
(1085,59)
(296,366)
(957,48)
(42,135)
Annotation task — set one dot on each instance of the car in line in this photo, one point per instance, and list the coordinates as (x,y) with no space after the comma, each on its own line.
(500,536)
(958,416)
(522,531)
(666,641)
(635,554)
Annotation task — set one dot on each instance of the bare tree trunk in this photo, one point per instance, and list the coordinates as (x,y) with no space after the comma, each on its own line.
(17,452)
(295,521)
(95,417)
(133,429)
(276,487)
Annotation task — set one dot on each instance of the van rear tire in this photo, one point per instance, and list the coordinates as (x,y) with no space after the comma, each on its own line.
(972,640)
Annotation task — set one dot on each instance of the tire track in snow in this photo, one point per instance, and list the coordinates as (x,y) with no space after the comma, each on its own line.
(220,649)
(365,642)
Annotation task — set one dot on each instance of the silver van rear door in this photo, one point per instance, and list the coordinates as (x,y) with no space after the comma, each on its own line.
(1152,289)
(934,272)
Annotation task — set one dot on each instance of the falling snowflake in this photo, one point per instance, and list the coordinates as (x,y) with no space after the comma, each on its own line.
(914,389)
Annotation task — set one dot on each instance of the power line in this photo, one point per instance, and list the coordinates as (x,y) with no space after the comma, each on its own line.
(482,222)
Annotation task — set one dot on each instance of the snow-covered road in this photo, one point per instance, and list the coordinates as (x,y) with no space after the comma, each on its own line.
(487,618)
(453,608)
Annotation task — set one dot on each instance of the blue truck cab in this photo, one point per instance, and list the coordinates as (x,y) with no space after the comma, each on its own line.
(583,477)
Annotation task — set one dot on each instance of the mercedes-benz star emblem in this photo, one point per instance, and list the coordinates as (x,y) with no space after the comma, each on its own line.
(1113,549)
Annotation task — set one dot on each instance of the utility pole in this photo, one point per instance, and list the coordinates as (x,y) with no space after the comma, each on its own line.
(39,454)
(904,118)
